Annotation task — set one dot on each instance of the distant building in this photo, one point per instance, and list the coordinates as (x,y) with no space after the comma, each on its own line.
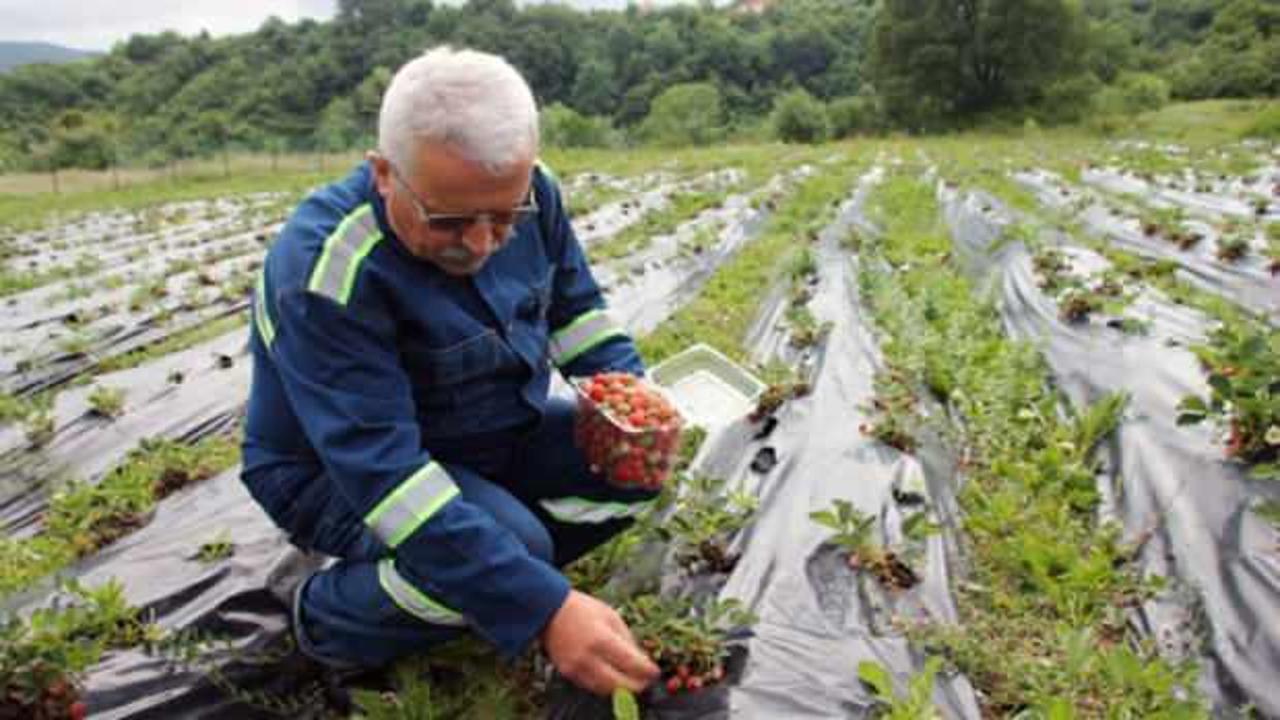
(753,6)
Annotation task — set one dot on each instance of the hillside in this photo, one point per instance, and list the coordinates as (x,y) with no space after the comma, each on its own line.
(13,54)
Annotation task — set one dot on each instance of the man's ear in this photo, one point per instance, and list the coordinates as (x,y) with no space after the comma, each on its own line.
(382,177)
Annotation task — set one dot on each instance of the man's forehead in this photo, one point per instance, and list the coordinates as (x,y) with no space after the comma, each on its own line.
(444,172)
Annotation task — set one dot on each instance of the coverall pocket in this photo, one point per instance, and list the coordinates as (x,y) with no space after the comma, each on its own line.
(469,359)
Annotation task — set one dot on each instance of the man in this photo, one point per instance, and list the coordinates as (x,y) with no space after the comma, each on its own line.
(399,420)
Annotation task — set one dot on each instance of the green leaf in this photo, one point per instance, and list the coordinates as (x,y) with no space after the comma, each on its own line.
(874,675)
(624,705)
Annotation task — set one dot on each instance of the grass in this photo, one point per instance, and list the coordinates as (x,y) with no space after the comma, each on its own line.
(174,343)
(1042,614)
(722,313)
(82,518)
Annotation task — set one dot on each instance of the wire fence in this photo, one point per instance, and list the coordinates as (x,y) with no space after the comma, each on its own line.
(127,174)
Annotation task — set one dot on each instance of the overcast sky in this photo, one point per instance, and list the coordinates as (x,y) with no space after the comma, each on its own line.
(98,24)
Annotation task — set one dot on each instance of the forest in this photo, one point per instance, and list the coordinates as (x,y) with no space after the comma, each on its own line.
(802,70)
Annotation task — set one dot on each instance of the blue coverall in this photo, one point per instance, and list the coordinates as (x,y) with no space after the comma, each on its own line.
(399,419)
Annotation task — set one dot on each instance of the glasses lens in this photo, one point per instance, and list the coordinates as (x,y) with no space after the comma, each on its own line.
(449,223)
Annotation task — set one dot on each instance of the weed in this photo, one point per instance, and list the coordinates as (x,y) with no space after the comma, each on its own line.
(915,704)
(1043,570)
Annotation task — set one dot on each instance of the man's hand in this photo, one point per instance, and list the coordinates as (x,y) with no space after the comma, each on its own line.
(589,643)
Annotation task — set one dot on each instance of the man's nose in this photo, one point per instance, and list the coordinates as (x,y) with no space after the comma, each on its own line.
(478,236)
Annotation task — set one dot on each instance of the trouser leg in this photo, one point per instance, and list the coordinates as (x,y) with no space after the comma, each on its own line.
(359,611)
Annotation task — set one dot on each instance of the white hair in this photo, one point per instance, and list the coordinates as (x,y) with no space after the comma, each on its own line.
(473,101)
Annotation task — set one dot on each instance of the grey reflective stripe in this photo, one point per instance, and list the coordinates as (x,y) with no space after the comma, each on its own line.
(412,600)
(585,332)
(580,510)
(262,314)
(411,504)
(335,272)
(546,170)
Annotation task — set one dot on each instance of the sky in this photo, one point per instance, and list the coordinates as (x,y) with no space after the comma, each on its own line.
(98,24)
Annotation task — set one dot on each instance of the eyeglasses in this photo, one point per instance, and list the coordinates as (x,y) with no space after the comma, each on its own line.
(457,223)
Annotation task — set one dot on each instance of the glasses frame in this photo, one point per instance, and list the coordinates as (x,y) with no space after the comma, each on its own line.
(457,223)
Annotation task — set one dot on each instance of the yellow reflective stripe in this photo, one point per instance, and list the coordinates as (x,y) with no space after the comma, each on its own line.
(412,600)
(581,510)
(585,332)
(411,504)
(334,274)
(261,313)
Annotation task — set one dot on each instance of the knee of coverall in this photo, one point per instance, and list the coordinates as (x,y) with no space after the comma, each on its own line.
(506,509)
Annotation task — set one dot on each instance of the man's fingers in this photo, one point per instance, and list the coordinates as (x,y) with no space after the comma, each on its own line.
(602,679)
(628,659)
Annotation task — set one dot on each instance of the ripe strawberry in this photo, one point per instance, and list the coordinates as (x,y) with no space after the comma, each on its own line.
(78,710)
(694,684)
(674,684)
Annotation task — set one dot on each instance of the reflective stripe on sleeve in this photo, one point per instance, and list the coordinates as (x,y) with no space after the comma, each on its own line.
(581,511)
(262,314)
(334,274)
(585,332)
(412,600)
(411,504)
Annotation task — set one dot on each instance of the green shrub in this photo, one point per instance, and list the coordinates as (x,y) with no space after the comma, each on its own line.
(799,117)
(1133,93)
(564,127)
(852,115)
(685,114)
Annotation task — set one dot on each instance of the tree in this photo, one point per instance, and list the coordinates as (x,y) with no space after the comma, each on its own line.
(939,61)
(799,118)
(685,114)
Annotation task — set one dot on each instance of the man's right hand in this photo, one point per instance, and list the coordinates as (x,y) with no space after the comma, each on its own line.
(590,644)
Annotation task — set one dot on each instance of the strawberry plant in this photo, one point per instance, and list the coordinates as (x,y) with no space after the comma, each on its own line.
(1243,365)
(774,396)
(1076,305)
(686,640)
(1054,269)
(106,402)
(1233,244)
(854,531)
(41,660)
(627,430)
(704,522)
(893,408)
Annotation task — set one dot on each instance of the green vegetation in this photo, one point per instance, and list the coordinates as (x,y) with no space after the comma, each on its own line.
(42,659)
(1242,361)
(174,343)
(312,87)
(106,402)
(83,518)
(1047,582)
(915,704)
(721,314)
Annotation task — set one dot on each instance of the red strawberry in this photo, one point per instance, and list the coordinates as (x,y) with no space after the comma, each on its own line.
(78,710)
(673,685)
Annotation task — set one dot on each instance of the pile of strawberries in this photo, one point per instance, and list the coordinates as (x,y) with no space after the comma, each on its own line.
(627,430)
